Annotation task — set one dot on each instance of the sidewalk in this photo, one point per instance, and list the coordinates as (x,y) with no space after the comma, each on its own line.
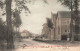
(57,42)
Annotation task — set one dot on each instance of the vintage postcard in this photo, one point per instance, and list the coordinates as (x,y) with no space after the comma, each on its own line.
(39,25)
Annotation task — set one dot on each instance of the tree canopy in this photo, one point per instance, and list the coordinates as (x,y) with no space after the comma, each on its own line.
(68,3)
(17,20)
(49,23)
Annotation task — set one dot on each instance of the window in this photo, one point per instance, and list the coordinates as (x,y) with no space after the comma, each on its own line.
(66,22)
(67,30)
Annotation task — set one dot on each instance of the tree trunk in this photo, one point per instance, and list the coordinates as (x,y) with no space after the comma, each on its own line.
(18,29)
(10,43)
(71,24)
(50,33)
(77,20)
(19,33)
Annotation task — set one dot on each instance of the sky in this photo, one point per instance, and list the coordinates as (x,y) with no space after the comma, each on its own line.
(39,11)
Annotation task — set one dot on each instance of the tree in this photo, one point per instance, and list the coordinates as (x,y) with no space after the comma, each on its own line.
(10,42)
(72,5)
(17,22)
(20,5)
(2,30)
(77,22)
(45,1)
(50,25)
(2,33)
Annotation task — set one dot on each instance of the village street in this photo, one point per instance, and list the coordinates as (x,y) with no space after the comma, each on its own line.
(28,43)
(31,45)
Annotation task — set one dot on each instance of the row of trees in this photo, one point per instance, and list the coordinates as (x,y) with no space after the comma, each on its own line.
(12,18)
(16,23)
(9,12)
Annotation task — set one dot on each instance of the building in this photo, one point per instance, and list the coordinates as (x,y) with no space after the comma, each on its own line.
(61,27)
(26,34)
(53,31)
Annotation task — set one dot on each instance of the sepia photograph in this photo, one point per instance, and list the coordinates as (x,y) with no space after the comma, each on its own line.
(39,25)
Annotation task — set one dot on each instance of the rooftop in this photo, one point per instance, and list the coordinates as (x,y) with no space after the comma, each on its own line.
(65,14)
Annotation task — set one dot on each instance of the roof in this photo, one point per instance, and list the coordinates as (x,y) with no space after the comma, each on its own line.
(64,14)
(24,31)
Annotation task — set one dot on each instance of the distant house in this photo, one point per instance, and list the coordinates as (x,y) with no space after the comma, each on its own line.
(25,34)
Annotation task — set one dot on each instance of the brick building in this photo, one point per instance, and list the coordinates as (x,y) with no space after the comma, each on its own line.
(61,26)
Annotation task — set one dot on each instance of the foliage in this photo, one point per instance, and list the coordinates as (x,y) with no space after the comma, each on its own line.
(21,4)
(2,30)
(2,4)
(49,23)
(66,3)
(45,1)
(17,20)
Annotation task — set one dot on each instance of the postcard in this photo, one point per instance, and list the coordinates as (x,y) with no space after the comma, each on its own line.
(39,25)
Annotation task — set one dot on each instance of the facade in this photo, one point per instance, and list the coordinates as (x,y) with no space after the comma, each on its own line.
(53,31)
(26,34)
(61,27)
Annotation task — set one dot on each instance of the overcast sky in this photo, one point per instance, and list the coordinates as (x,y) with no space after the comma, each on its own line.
(39,11)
